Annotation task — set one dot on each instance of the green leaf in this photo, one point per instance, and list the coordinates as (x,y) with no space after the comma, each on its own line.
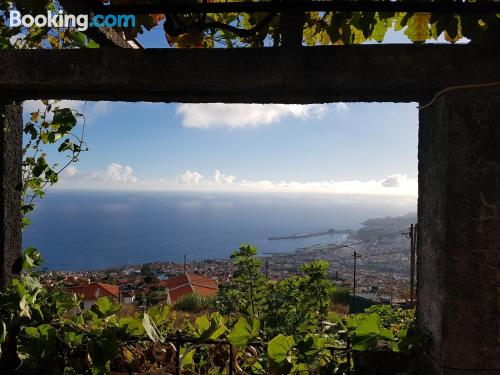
(66,145)
(92,44)
(102,350)
(133,325)
(41,164)
(367,333)
(65,302)
(210,329)
(32,283)
(79,38)
(300,368)
(65,119)
(3,335)
(31,259)
(103,304)
(386,334)
(244,331)
(32,331)
(151,329)
(24,309)
(159,314)
(187,359)
(202,324)
(279,348)
(105,307)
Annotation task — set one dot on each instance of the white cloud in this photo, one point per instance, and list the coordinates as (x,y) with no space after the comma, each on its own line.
(402,186)
(221,178)
(189,177)
(113,174)
(341,106)
(91,110)
(69,172)
(117,176)
(394,185)
(96,110)
(220,115)
(119,173)
(394,180)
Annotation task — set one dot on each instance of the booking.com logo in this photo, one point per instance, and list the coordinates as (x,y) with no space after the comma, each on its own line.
(80,22)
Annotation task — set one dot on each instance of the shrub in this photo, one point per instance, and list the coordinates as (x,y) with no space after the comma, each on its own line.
(193,303)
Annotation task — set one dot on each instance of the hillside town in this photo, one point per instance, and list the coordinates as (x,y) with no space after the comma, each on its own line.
(382,270)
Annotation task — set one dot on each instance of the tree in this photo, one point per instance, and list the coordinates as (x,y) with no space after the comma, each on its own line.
(247,290)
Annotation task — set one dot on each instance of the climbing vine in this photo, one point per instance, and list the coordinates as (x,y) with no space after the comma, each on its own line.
(49,127)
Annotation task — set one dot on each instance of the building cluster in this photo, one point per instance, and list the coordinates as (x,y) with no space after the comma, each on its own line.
(382,266)
(135,289)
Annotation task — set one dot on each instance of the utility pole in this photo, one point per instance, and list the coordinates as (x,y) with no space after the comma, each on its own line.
(266,265)
(354,281)
(413,248)
(184,263)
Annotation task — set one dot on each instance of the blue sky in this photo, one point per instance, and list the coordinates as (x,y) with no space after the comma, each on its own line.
(247,147)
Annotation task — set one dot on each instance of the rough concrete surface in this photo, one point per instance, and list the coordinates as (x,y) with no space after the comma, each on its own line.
(399,73)
(459,231)
(10,197)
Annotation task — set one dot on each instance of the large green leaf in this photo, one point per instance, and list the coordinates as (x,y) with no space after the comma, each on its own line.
(31,258)
(210,329)
(279,348)
(133,325)
(106,308)
(300,369)
(367,333)
(159,314)
(64,120)
(202,324)
(244,331)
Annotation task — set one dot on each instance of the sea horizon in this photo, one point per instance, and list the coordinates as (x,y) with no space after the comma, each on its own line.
(99,229)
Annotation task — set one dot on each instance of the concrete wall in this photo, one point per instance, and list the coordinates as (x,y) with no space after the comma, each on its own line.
(459,231)
(10,197)
(363,73)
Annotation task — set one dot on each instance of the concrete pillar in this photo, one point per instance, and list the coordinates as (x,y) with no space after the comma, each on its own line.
(459,232)
(11,124)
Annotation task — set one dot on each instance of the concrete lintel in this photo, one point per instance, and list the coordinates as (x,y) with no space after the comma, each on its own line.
(399,73)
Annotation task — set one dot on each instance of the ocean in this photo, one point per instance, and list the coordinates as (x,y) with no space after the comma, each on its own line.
(99,229)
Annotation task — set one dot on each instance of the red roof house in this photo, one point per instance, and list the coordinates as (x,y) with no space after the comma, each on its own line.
(188,283)
(90,292)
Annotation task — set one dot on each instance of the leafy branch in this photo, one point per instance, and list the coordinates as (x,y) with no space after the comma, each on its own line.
(52,125)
